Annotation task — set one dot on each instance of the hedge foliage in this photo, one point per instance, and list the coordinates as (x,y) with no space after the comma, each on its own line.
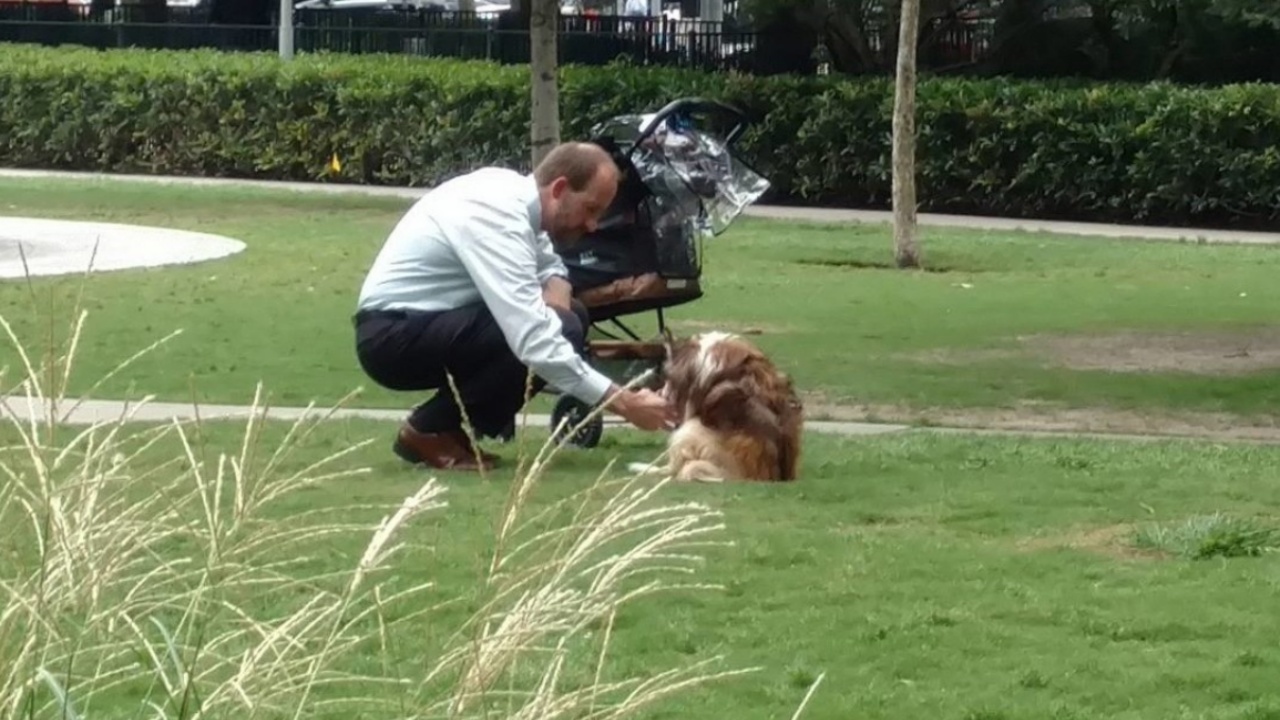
(1149,153)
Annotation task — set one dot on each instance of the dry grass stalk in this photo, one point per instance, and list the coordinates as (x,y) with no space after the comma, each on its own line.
(132,570)
(549,588)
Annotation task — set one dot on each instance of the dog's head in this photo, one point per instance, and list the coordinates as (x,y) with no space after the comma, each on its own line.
(697,365)
(696,357)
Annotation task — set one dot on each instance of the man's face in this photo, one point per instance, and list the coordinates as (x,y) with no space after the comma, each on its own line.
(574,214)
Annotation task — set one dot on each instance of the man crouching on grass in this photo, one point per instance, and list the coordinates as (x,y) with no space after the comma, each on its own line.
(468,284)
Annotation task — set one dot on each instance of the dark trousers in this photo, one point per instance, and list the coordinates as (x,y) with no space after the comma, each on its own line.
(413,351)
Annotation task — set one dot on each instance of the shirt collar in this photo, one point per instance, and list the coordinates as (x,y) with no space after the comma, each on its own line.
(535,206)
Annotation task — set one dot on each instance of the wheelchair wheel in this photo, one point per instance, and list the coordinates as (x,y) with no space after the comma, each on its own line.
(571,411)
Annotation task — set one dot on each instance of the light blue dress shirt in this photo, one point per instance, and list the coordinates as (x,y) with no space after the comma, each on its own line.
(477,238)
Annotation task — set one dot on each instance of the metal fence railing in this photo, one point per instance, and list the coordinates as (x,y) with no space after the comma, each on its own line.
(583,39)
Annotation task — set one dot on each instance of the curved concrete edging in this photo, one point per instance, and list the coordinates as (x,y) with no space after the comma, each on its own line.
(68,247)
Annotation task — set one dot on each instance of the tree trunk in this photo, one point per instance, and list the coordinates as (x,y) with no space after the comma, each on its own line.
(544,125)
(906,248)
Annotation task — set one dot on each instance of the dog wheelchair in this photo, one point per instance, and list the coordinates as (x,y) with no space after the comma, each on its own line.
(680,185)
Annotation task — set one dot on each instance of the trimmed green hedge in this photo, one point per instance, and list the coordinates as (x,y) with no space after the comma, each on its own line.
(1153,153)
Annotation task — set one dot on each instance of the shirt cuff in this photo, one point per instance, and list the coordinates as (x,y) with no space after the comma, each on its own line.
(591,387)
(548,273)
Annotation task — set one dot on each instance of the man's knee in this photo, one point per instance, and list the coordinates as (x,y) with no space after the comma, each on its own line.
(581,312)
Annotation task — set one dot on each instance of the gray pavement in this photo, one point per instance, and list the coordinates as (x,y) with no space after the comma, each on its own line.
(106,412)
(89,412)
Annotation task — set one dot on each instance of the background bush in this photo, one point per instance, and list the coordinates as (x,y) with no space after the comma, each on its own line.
(1147,153)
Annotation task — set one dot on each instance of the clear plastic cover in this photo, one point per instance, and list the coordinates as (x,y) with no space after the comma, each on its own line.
(694,177)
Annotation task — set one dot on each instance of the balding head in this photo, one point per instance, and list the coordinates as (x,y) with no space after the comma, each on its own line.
(576,183)
(576,162)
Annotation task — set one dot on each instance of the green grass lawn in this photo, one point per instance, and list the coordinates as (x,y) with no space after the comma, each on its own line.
(926,575)
(979,331)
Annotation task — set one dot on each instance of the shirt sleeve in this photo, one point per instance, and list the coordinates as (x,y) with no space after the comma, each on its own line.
(550,264)
(501,254)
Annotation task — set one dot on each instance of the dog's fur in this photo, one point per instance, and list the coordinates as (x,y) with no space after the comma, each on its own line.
(741,418)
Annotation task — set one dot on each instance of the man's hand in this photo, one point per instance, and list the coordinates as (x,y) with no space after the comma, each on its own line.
(644,408)
(558,293)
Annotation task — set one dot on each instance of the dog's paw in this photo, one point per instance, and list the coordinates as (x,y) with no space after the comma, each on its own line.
(701,471)
(640,468)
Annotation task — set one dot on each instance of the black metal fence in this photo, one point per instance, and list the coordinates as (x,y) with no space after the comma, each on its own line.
(583,39)
(590,40)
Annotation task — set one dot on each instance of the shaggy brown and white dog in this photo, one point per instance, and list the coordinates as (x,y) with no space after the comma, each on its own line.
(741,418)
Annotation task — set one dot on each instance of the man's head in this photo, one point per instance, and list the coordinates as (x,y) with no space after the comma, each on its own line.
(576,182)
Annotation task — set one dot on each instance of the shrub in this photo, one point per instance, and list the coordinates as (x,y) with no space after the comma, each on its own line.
(1146,153)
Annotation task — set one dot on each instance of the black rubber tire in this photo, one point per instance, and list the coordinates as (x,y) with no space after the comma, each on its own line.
(588,436)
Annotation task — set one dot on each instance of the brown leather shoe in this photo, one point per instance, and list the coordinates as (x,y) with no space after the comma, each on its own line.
(465,442)
(442,451)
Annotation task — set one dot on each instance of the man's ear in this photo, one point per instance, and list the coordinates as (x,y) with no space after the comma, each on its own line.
(559,187)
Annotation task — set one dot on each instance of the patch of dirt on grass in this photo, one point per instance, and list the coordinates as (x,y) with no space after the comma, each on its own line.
(683,327)
(1044,418)
(864,265)
(944,356)
(1111,541)
(1202,353)
(1205,353)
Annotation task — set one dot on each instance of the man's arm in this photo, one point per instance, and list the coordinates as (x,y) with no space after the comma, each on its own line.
(495,248)
(558,293)
(643,408)
(498,249)
(552,273)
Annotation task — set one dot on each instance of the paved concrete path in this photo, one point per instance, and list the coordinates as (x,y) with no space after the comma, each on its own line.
(87,412)
(106,411)
(767,211)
